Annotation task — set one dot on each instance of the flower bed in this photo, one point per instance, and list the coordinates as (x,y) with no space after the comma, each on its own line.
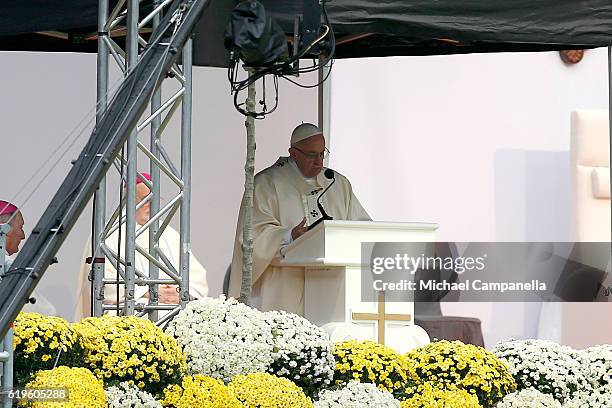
(528,398)
(357,395)
(430,395)
(465,366)
(302,352)
(83,388)
(126,395)
(199,391)
(546,366)
(263,390)
(277,360)
(597,362)
(223,338)
(41,340)
(130,349)
(598,398)
(370,362)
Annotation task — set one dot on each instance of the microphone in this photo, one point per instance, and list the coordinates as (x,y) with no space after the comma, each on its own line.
(330,175)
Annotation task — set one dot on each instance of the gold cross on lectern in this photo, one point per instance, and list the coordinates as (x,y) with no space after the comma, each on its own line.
(381,317)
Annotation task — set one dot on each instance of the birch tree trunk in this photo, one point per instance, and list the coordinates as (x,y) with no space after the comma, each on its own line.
(249,179)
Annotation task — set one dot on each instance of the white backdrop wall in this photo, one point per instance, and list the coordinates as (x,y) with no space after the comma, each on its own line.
(476,143)
(45,95)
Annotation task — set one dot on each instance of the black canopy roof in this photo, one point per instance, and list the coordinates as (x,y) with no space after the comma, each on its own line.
(363,28)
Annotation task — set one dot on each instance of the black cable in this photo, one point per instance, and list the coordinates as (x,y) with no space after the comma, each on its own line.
(310,86)
(263,113)
(16,271)
(281,70)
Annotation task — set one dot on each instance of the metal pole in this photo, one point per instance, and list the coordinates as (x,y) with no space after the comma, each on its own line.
(97,258)
(185,217)
(324,104)
(6,346)
(610,121)
(7,367)
(132,150)
(155,190)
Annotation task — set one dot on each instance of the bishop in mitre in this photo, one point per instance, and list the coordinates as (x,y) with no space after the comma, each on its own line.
(284,205)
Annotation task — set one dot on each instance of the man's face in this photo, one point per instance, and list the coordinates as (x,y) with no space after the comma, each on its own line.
(143,213)
(15,235)
(302,154)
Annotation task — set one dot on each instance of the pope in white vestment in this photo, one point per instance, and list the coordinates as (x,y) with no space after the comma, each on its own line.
(284,204)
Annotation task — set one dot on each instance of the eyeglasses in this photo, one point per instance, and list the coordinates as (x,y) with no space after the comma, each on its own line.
(312,155)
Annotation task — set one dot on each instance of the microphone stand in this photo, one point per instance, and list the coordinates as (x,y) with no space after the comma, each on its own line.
(329,173)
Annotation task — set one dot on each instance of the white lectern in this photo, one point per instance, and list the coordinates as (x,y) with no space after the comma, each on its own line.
(331,256)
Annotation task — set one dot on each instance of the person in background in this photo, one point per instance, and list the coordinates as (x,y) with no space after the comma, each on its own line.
(11,215)
(168,244)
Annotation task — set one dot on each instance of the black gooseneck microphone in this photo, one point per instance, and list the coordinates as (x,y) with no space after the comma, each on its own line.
(330,175)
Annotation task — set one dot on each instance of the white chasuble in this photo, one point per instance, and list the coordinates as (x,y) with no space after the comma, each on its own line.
(282,198)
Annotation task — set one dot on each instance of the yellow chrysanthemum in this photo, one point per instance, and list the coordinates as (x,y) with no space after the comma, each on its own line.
(262,390)
(129,348)
(429,395)
(199,391)
(469,367)
(37,342)
(370,362)
(83,388)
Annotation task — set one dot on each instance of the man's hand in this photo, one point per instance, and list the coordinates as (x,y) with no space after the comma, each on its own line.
(299,229)
(168,294)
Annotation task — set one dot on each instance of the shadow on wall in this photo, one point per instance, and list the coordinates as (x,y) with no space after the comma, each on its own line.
(531,204)
(532,190)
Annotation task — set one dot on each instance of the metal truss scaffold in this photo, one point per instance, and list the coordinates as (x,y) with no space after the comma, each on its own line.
(125,18)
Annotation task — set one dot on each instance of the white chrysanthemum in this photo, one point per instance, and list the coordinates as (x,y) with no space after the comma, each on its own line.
(528,398)
(126,395)
(223,338)
(546,366)
(357,395)
(302,351)
(599,398)
(598,361)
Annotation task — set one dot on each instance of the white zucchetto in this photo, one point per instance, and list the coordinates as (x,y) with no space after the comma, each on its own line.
(304,131)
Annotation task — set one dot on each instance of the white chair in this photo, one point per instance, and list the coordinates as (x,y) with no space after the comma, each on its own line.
(590,169)
(587,324)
